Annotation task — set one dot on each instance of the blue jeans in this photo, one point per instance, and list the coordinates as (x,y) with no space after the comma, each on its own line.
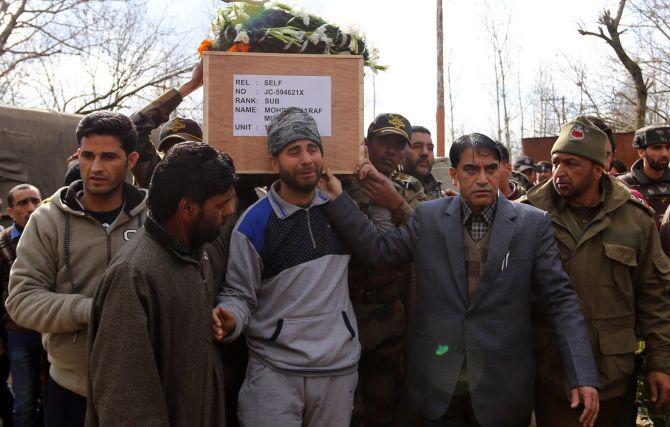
(24,350)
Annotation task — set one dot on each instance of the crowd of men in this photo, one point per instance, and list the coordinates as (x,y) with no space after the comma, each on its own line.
(199,297)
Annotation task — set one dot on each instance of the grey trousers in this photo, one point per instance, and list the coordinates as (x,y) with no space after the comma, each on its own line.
(272,398)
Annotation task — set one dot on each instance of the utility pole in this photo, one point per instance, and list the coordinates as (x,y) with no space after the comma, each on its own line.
(440,83)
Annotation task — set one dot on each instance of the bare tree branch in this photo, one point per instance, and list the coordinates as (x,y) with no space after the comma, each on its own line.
(614,41)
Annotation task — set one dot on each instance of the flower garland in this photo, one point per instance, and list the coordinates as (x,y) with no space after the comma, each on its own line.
(255,26)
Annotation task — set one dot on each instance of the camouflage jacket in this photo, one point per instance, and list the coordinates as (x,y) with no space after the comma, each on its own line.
(432,187)
(411,190)
(375,285)
(657,192)
(146,120)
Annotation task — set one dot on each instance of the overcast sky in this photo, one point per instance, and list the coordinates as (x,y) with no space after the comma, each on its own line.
(543,33)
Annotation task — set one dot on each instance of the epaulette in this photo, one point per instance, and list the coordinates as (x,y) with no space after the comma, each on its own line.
(642,204)
(408,182)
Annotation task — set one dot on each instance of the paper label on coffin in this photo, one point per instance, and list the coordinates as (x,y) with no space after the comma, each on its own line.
(257,98)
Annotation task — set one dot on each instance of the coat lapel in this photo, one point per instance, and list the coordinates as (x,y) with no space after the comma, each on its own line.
(453,232)
(501,236)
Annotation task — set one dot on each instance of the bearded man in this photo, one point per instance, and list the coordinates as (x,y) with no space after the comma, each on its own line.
(650,175)
(286,288)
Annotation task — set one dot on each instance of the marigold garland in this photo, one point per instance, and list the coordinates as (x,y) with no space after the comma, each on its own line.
(239,47)
(205,45)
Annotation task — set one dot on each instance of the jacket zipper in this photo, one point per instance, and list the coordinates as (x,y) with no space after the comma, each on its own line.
(309,227)
(109,258)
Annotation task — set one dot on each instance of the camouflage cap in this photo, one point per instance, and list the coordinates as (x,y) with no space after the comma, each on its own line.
(651,135)
(291,125)
(177,130)
(525,162)
(582,138)
(390,124)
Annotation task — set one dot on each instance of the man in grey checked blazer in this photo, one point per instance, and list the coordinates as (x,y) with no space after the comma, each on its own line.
(470,350)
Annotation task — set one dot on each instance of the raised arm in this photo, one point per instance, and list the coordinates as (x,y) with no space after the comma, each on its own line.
(151,117)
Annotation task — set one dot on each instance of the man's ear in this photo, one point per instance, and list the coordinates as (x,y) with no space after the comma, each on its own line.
(132,159)
(10,211)
(187,209)
(275,163)
(599,171)
(640,152)
(452,174)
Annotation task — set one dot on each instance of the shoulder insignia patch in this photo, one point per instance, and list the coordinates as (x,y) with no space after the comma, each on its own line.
(639,201)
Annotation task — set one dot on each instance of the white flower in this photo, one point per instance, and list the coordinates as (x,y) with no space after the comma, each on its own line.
(314,37)
(238,27)
(319,35)
(242,36)
(353,44)
(354,30)
(301,14)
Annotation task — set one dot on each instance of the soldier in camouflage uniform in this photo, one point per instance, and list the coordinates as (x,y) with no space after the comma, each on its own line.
(377,293)
(418,162)
(650,175)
